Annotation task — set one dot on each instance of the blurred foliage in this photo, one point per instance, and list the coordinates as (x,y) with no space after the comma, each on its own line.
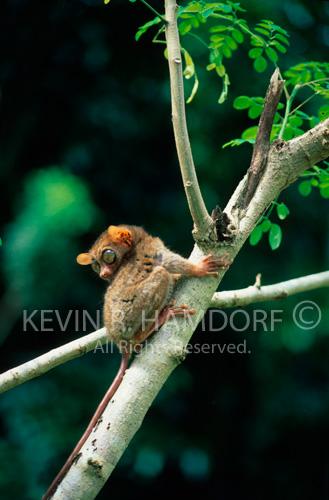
(53,210)
(80,93)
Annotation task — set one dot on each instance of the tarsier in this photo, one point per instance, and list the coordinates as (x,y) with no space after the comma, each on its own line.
(141,271)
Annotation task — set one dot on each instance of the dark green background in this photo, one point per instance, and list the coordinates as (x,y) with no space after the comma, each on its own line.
(86,141)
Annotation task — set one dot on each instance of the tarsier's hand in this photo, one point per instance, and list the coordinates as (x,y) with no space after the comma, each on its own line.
(209,266)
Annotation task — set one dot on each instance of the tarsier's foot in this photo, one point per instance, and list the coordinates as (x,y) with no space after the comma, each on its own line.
(167,313)
(209,266)
(171,310)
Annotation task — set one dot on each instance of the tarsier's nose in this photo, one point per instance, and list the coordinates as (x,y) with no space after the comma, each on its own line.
(105,273)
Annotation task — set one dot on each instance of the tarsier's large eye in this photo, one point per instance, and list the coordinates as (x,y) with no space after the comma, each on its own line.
(96,267)
(109,256)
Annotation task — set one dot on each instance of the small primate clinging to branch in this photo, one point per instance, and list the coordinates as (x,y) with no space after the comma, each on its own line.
(141,271)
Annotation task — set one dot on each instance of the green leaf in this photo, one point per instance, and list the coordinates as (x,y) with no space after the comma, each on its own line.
(303,115)
(201,18)
(319,75)
(206,13)
(237,35)
(195,23)
(194,7)
(282,211)
(211,66)
(256,236)
(217,29)
(236,6)
(262,31)
(279,47)
(235,142)
(222,98)
(275,132)
(185,27)
(281,38)
(271,54)
(217,38)
(305,188)
(226,83)
(256,42)
(266,24)
(242,102)
(325,192)
(223,7)
(231,43)
(145,27)
(295,121)
(226,51)
(265,225)
(260,64)
(189,65)
(221,70)
(215,57)
(194,89)
(306,76)
(249,133)
(254,53)
(255,111)
(323,112)
(275,236)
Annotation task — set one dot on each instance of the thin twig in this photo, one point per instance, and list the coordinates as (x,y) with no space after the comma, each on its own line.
(154,11)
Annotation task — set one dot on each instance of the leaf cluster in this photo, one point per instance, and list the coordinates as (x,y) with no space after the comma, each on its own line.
(226,29)
(319,178)
(266,226)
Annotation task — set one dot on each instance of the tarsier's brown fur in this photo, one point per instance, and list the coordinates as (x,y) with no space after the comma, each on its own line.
(141,271)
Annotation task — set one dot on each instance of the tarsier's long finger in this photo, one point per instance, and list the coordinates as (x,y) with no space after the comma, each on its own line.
(184,306)
(209,258)
(216,262)
(180,311)
(212,265)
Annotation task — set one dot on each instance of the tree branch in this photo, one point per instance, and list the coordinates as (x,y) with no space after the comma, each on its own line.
(232,298)
(51,359)
(286,162)
(202,220)
(279,291)
(262,142)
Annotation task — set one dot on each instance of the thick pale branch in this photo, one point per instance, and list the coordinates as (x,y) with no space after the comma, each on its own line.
(279,291)
(201,218)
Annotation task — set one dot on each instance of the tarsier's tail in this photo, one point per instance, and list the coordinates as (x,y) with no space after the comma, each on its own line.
(101,407)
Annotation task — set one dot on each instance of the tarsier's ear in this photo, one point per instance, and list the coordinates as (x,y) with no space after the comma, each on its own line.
(84,259)
(119,235)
